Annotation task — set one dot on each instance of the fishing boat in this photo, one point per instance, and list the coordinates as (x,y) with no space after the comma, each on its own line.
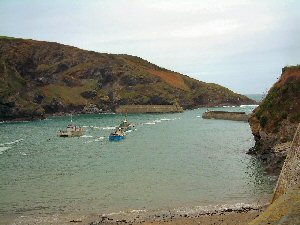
(71,131)
(125,125)
(117,135)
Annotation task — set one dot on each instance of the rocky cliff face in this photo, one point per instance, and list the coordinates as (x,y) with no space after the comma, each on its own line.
(290,174)
(285,207)
(39,78)
(275,121)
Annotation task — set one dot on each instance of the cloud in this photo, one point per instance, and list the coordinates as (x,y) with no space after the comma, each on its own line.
(213,40)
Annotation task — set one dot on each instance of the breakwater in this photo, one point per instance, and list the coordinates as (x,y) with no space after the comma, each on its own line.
(223,115)
(149,109)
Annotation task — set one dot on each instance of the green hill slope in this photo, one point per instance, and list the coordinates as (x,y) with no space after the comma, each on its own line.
(39,78)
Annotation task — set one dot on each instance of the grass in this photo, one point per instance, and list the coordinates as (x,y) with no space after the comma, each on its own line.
(70,95)
(6,37)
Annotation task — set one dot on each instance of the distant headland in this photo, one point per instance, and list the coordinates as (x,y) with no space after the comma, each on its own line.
(41,78)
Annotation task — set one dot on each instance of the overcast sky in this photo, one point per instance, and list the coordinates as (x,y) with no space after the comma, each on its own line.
(240,44)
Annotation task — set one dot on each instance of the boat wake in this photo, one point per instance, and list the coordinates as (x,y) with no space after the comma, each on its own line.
(158,121)
(243,106)
(3,149)
(8,145)
(86,136)
(108,128)
(12,142)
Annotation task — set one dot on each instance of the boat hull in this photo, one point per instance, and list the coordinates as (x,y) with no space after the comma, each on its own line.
(116,137)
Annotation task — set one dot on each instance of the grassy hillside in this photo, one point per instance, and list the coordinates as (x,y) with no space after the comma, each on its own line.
(275,121)
(39,78)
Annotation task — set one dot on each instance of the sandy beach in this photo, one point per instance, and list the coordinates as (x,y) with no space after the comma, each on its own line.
(230,216)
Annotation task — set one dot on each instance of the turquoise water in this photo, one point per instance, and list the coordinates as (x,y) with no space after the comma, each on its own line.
(168,161)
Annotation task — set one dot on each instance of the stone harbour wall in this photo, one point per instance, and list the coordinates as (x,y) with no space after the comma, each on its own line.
(149,109)
(223,115)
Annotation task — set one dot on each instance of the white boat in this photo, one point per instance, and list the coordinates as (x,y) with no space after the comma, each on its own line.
(71,131)
(125,125)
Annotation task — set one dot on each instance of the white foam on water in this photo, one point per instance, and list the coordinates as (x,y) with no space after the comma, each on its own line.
(149,123)
(12,142)
(86,136)
(138,210)
(94,127)
(157,121)
(99,138)
(108,128)
(243,106)
(217,208)
(114,213)
(3,149)
(165,119)
(198,116)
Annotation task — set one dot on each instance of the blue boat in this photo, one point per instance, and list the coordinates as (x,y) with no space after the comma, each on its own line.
(117,135)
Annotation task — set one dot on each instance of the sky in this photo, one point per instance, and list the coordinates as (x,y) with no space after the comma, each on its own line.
(240,44)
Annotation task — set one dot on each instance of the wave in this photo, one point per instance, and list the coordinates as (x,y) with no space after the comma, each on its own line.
(166,119)
(139,215)
(12,142)
(86,136)
(108,128)
(243,106)
(149,123)
(228,106)
(3,149)
(218,208)
(99,138)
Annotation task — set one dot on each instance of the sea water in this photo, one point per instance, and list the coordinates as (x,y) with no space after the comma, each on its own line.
(167,161)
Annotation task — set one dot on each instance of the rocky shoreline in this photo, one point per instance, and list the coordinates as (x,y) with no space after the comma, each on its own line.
(173,217)
(226,215)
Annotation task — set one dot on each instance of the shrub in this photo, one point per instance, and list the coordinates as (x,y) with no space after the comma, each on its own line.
(263,121)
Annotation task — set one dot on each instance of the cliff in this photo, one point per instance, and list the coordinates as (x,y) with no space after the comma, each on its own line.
(290,174)
(224,115)
(39,78)
(275,120)
(285,207)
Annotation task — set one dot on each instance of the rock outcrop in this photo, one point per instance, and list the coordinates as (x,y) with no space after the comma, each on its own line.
(39,78)
(275,121)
